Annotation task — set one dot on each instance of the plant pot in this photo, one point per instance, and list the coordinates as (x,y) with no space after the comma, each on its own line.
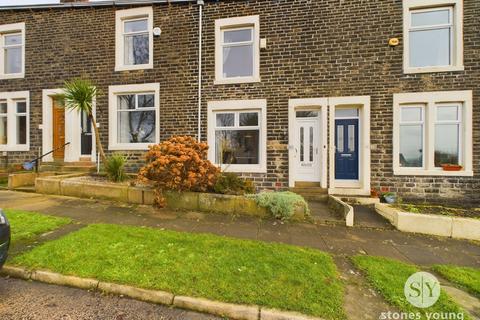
(390,199)
(451,167)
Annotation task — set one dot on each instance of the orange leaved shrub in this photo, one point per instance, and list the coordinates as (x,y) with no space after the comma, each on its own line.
(179,164)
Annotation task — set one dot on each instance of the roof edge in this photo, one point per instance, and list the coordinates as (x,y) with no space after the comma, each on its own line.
(90,4)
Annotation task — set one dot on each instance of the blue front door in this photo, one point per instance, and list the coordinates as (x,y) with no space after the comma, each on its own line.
(346,149)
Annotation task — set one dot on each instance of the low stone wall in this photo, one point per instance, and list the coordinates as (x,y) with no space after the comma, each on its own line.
(343,209)
(17,180)
(454,227)
(194,201)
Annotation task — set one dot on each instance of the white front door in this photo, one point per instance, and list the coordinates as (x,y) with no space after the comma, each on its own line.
(307,142)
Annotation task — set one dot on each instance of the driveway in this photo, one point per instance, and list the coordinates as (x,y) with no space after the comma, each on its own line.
(20,299)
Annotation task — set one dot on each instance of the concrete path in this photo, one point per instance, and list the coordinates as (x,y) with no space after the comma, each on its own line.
(38,301)
(339,240)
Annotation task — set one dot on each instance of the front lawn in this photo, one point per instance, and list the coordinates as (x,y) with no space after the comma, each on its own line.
(213,267)
(469,278)
(389,276)
(26,225)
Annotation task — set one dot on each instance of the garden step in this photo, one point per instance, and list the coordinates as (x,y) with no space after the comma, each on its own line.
(300,184)
(315,197)
(311,190)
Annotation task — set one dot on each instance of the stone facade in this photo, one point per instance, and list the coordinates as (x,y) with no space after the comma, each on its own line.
(315,49)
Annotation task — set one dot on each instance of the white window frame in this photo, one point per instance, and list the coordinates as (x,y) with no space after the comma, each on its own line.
(260,106)
(11,98)
(10,29)
(456,7)
(113,93)
(431,100)
(132,14)
(414,123)
(228,24)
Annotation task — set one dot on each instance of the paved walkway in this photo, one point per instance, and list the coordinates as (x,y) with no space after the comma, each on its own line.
(339,240)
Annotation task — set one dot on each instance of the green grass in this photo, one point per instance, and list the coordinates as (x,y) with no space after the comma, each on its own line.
(469,278)
(389,277)
(25,225)
(213,267)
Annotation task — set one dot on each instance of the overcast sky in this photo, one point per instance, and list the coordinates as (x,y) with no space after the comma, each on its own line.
(25,2)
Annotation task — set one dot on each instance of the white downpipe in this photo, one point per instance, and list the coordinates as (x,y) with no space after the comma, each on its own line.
(200,31)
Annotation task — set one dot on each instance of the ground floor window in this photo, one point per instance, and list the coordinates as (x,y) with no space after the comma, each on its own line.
(432,130)
(14,123)
(134,117)
(237,135)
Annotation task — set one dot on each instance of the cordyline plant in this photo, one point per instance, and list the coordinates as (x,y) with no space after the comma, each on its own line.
(79,95)
(178,164)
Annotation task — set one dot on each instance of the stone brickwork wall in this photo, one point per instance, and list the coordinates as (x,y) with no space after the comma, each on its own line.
(316,48)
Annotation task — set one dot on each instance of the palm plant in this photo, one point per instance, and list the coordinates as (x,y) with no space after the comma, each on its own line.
(79,94)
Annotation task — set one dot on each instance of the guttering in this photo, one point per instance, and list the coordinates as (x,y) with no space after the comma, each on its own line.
(200,31)
(91,4)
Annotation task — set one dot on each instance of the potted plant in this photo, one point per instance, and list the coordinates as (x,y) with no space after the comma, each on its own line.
(389,197)
(451,167)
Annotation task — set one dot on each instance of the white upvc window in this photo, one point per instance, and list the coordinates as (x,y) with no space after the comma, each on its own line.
(237,132)
(134,116)
(432,129)
(237,50)
(433,32)
(12,53)
(134,39)
(14,121)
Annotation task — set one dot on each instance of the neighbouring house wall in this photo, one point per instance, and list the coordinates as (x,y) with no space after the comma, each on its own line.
(315,49)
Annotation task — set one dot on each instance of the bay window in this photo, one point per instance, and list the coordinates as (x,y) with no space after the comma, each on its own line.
(14,122)
(431,130)
(133,116)
(237,135)
(433,36)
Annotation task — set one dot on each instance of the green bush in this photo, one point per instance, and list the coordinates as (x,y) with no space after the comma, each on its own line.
(281,204)
(230,183)
(115,168)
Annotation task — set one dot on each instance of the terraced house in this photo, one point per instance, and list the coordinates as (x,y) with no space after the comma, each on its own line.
(344,95)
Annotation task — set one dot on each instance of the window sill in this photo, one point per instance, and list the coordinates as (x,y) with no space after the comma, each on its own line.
(433,69)
(414,172)
(243,168)
(134,67)
(237,80)
(12,76)
(130,146)
(7,148)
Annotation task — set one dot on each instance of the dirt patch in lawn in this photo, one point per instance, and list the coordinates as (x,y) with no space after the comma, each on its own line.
(450,211)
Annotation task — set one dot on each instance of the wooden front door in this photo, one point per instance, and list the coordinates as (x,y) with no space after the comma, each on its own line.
(58,130)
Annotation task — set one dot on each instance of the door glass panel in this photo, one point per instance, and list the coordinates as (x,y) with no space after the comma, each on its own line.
(447,137)
(301,144)
(351,138)
(346,113)
(311,144)
(430,18)
(340,140)
(411,146)
(307,114)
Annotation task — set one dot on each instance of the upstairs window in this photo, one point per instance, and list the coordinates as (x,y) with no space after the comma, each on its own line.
(134,40)
(14,122)
(433,37)
(237,56)
(12,42)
